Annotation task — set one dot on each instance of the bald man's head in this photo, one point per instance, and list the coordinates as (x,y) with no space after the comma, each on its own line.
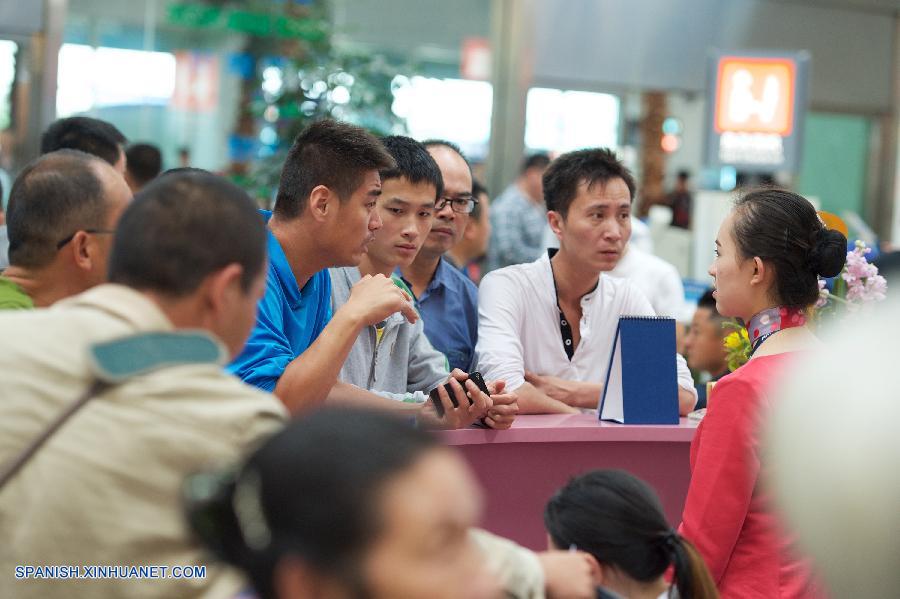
(56,195)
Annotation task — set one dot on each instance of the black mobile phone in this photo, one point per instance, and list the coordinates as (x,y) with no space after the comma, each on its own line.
(475,377)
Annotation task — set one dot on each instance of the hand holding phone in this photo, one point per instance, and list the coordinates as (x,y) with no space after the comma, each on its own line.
(475,377)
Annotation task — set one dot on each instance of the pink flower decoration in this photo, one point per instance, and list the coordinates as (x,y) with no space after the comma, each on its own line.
(864,284)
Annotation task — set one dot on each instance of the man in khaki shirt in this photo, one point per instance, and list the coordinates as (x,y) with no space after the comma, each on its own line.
(105,489)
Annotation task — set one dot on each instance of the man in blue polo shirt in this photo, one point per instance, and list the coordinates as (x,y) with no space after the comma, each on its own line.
(447,299)
(324,216)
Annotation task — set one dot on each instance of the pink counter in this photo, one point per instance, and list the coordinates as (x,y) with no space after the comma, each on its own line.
(522,467)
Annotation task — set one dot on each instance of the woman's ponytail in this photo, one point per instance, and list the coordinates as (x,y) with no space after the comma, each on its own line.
(692,578)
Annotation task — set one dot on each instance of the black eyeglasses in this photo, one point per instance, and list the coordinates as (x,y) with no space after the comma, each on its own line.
(64,241)
(463,204)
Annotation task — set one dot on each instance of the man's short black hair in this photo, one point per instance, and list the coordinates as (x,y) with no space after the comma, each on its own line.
(54,196)
(143,162)
(330,153)
(478,189)
(84,133)
(182,228)
(538,160)
(709,302)
(412,162)
(592,166)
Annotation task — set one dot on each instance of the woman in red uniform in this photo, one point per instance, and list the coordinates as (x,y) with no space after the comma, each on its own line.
(769,253)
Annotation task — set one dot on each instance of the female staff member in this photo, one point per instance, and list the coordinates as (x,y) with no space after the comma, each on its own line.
(770,251)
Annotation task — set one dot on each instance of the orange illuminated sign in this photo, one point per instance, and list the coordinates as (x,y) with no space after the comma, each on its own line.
(755,95)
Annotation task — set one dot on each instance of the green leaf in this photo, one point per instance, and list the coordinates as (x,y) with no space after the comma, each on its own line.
(840,287)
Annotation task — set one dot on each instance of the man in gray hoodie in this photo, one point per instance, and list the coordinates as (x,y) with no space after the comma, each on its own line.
(394,358)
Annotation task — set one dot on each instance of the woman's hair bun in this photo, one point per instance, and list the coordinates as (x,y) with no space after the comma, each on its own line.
(829,252)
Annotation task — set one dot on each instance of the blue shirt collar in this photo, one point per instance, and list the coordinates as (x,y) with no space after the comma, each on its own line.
(441,278)
(282,269)
(442,275)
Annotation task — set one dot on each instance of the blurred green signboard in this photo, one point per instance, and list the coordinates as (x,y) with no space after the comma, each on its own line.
(201,16)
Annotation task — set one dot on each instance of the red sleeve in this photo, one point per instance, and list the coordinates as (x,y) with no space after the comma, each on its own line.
(724,475)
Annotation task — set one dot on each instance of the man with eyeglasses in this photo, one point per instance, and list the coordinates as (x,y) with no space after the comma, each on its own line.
(90,135)
(63,209)
(446,298)
(469,254)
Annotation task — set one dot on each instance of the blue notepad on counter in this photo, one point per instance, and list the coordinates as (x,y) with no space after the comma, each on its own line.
(641,381)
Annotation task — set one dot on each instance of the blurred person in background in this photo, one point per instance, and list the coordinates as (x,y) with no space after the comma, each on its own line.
(770,251)
(834,449)
(5,179)
(470,251)
(5,185)
(63,211)
(658,280)
(519,217)
(705,344)
(888,263)
(143,164)
(4,237)
(184,157)
(90,135)
(680,200)
(446,298)
(355,503)
(617,519)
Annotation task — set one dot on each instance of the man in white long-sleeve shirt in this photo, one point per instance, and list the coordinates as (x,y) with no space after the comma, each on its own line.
(547,327)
